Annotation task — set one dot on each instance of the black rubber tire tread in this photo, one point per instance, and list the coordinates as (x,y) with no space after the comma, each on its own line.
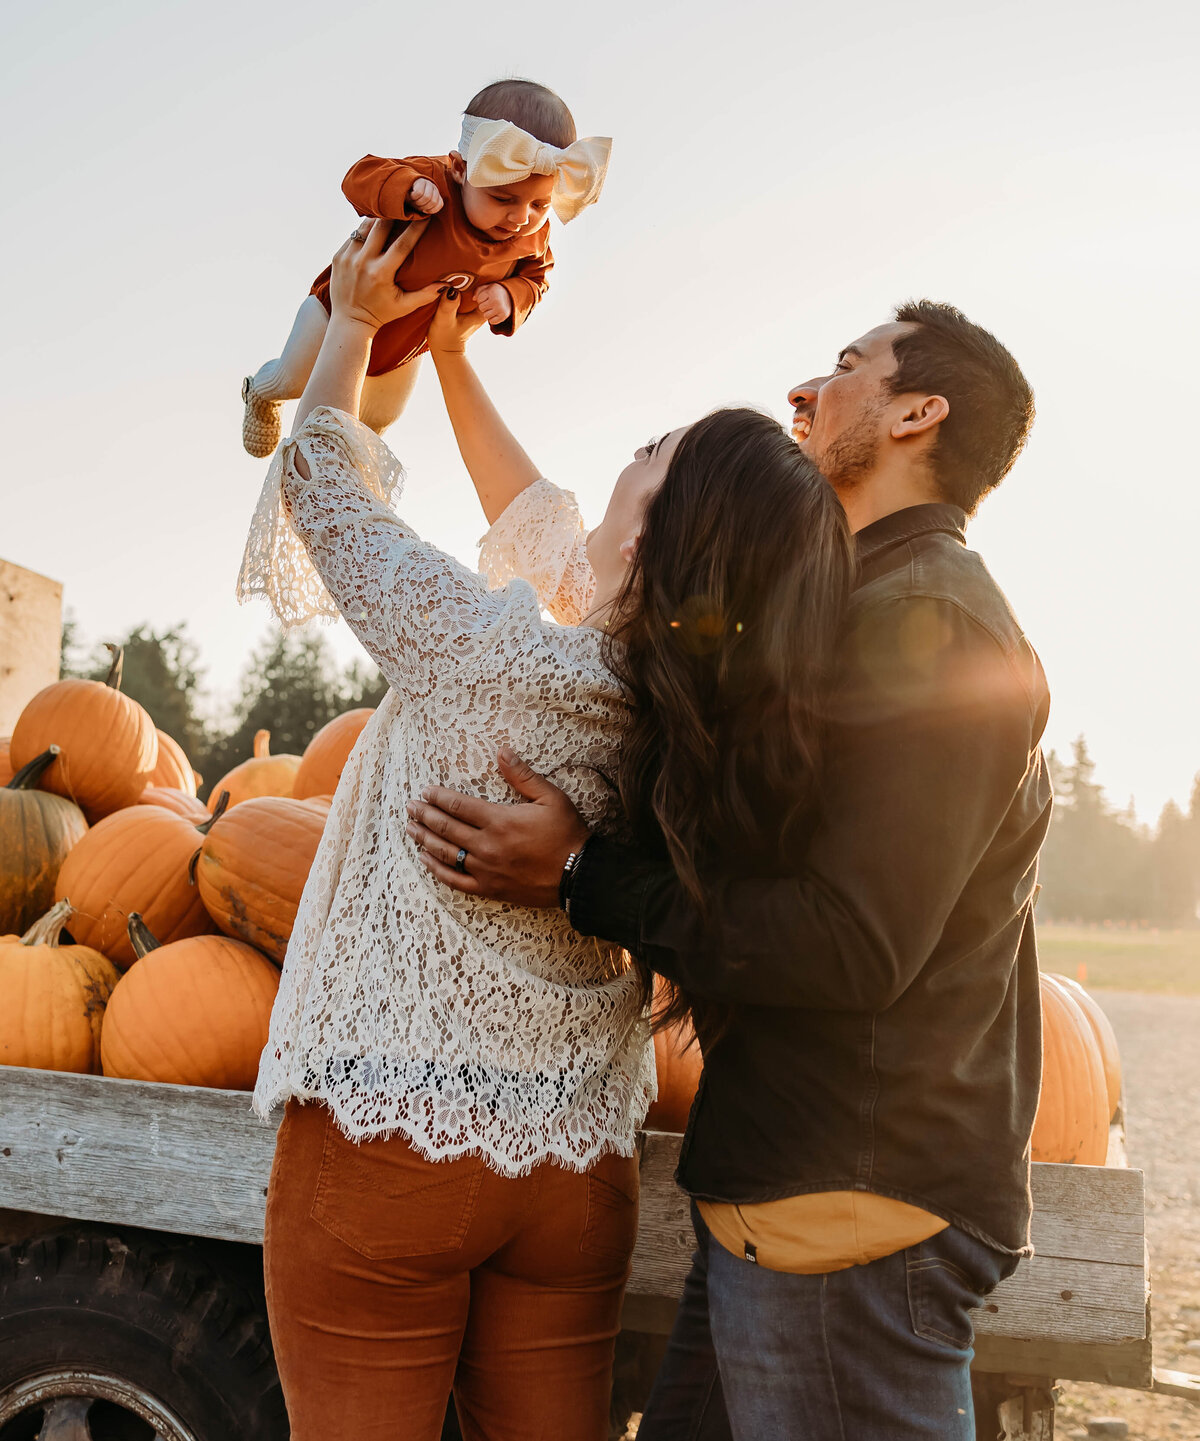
(152,1310)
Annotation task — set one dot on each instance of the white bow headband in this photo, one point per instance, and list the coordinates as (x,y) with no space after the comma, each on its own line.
(497,152)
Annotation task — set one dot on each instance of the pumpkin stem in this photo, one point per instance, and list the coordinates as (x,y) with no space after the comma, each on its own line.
(113,679)
(140,937)
(45,932)
(262,744)
(218,811)
(192,864)
(28,776)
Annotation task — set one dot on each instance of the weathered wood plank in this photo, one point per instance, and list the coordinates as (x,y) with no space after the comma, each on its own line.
(1125,1363)
(1177,1383)
(196,1161)
(1049,1298)
(663,1254)
(173,1158)
(30,636)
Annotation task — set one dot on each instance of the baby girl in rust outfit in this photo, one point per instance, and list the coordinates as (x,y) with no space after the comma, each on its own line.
(489,203)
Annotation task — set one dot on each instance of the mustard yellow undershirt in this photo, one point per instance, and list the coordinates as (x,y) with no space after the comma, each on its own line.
(823,1231)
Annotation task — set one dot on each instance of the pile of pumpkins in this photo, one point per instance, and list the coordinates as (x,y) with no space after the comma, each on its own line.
(179,914)
(141,931)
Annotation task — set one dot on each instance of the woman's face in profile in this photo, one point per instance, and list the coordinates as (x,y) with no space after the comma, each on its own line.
(613,544)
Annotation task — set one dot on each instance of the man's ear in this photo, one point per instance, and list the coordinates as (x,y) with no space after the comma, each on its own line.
(924,414)
(458,166)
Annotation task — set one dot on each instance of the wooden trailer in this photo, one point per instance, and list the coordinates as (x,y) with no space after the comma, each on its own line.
(131,1284)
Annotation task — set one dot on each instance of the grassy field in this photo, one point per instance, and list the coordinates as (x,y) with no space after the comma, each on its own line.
(1167,962)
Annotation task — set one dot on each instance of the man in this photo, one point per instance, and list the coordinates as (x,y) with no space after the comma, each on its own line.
(858,1154)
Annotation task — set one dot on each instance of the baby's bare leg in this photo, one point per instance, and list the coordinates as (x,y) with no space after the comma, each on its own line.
(385,396)
(285,378)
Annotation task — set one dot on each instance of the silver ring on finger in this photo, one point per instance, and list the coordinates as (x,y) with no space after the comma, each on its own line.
(460,861)
(357,236)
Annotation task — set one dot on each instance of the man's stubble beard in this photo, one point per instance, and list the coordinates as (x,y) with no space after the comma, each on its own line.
(850,457)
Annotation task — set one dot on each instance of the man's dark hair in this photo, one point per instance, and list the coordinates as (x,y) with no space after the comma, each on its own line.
(531,106)
(991,404)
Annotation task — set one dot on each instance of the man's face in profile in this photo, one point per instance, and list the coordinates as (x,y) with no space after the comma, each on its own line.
(841,419)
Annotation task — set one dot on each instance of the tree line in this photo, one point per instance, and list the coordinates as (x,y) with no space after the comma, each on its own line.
(1098,864)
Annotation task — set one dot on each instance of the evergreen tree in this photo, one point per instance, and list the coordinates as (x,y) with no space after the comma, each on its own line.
(362,685)
(69,664)
(1174,866)
(1095,864)
(289,687)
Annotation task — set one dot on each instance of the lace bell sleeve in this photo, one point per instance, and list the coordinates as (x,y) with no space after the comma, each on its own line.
(539,537)
(331,545)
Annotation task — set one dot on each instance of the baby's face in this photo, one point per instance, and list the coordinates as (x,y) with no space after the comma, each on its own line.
(505,211)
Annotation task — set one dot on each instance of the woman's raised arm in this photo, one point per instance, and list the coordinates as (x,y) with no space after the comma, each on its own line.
(325,539)
(497,463)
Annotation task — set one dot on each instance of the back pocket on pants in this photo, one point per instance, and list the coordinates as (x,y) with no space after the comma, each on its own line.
(941,1292)
(385,1200)
(610,1229)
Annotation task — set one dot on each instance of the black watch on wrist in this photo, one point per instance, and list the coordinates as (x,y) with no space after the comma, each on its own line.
(568,871)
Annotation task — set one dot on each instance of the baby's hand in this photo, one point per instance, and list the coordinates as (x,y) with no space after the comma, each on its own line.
(495,303)
(425,197)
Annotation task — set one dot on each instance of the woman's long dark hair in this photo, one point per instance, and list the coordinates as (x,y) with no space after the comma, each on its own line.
(723,637)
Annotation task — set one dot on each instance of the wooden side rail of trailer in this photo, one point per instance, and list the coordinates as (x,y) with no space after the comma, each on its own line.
(192,1162)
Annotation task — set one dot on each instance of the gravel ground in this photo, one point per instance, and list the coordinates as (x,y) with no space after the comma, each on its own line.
(1159,1038)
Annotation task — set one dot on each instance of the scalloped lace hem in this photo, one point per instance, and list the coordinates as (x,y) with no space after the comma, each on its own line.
(571,1146)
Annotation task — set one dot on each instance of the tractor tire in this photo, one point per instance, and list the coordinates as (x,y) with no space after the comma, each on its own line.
(111,1337)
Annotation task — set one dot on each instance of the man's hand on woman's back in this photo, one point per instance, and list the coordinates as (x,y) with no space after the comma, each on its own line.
(515,853)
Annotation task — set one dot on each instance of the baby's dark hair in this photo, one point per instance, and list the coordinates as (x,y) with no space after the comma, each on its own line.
(531,106)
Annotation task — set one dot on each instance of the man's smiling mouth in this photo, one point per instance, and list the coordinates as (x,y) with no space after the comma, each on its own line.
(801,428)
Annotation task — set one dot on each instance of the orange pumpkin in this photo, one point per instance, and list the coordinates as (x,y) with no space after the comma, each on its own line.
(1072,1115)
(177,801)
(253,866)
(37,833)
(1106,1039)
(173,768)
(108,742)
(679,1066)
(262,775)
(326,754)
(6,770)
(137,860)
(54,998)
(192,1013)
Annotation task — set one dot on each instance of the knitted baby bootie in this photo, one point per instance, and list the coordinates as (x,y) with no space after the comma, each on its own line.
(262,422)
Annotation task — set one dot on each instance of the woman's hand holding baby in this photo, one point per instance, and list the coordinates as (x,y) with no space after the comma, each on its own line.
(363,295)
(362,287)
(449,330)
(495,303)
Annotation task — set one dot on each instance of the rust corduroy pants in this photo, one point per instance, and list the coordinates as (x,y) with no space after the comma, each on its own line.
(392,1279)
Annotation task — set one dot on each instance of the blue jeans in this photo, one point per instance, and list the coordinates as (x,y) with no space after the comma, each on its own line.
(880,1352)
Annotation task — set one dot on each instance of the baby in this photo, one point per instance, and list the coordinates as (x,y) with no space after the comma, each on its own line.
(518,158)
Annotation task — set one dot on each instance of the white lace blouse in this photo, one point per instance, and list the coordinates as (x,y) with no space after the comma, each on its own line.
(465,1025)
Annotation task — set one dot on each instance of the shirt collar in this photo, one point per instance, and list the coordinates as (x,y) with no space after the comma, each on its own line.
(904,525)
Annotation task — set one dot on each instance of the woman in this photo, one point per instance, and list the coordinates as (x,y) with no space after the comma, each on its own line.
(492,1066)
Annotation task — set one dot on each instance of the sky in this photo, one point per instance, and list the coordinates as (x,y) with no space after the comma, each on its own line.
(782,175)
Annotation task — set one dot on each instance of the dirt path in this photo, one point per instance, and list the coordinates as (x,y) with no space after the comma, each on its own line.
(1159,1037)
